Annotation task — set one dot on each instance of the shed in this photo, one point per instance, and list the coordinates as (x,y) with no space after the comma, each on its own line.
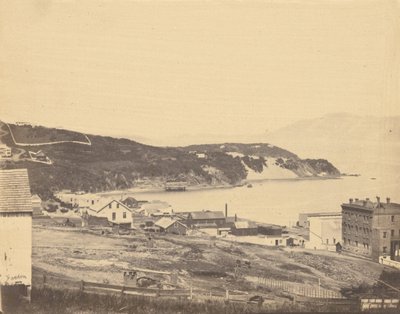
(269,229)
(169,225)
(130,202)
(244,228)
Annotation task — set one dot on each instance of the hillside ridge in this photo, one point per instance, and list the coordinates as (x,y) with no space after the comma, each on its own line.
(117,163)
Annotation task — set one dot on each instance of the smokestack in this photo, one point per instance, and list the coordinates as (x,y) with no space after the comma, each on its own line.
(226,210)
(378,199)
(351,201)
(388,200)
(235,217)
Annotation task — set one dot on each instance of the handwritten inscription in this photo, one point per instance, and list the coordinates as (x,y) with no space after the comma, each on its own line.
(12,279)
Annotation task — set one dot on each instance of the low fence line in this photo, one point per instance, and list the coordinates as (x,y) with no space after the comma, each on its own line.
(300,290)
(49,281)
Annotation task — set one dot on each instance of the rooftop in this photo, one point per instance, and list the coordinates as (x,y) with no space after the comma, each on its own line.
(378,207)
(320,214)
(165,222)
(15,194)
(207,214)
(245,225)
(98,206)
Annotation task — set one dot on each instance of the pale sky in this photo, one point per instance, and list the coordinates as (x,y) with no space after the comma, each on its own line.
(160,70)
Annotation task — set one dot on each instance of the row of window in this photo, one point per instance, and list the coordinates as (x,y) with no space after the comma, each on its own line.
(364,217)
(348,241)
(357,228)
(384,234)
(114,215)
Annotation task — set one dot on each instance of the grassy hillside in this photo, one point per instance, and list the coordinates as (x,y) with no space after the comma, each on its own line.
(112,163)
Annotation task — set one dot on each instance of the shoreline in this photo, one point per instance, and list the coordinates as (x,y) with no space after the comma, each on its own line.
(203,187)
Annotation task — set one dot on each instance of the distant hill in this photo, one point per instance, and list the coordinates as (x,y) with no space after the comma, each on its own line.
(366,144)
(61,159)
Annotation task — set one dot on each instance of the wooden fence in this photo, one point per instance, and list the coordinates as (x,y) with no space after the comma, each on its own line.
(299,289)
(96,287)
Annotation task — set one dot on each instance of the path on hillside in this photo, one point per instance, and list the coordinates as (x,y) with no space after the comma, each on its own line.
(47,143)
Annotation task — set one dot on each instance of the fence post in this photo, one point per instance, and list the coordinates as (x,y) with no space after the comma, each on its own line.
(44,280)
(191,292)
(82,286)
(227,295)
(123,290)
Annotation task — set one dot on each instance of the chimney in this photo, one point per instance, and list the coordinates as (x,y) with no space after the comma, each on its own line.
(378,199)
(388,200)
(351,201)
(226,210)
(235,217)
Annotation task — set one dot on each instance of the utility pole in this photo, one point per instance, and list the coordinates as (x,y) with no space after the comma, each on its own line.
(1,303)
(319,287)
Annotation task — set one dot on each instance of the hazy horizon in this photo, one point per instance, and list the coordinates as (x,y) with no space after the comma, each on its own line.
(155,70)
(185,139)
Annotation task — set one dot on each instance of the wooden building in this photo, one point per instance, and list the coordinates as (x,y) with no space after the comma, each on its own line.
(130,202)
(205,217)
(169,225)
(116,212)
(244,228)
(15,234)
(270,230)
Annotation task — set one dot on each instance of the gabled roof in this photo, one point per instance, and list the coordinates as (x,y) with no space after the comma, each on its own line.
(207,214)
(130,201)
(99,206)
(245,225)
(15,194)
(166,222)
(35,198)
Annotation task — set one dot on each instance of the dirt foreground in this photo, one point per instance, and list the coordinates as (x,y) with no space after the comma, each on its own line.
(201,261)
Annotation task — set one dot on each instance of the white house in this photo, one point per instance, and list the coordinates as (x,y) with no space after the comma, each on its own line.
(15,233)
(116,212)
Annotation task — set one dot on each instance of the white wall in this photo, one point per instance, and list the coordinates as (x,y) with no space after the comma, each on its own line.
(16,249)
(324,232)
(119,213)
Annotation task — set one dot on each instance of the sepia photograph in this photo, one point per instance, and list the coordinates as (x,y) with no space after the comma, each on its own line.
(199,156)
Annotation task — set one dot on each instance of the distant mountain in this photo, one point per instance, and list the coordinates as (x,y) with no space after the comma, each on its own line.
(366,144)
(61,159)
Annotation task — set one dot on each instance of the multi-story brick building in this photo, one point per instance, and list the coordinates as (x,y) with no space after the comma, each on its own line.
(372,228)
